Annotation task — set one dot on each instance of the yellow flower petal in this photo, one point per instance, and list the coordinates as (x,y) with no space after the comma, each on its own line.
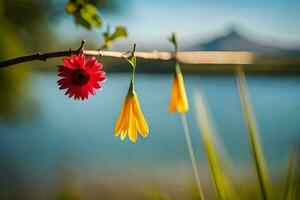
(123,135)
(132,132)
(183,104)
(174,95)
(141,123)
(131,124)
(119,123)
(126,118)
(178,100)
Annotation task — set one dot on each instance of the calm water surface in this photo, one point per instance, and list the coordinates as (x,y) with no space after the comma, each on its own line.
(81,132)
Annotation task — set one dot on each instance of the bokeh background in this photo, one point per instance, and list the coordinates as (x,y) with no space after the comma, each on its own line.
(53,147)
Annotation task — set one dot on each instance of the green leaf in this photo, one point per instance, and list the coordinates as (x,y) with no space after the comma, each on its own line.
(120,32)
(173,40)
(132,60)
(81,21)
(89,14)
(84,13)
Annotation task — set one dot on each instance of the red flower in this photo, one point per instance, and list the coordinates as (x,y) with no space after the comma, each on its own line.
(79,77)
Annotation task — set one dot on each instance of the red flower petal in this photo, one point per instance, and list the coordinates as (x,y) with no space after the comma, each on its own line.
(68,63)
(90,63)
(64,71)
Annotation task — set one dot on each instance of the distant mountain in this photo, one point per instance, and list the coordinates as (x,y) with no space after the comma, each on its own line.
(233,41)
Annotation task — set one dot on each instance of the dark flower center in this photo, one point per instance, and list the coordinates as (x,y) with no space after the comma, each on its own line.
(80,77)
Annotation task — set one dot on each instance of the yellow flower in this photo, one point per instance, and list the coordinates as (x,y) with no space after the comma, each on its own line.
(131,119)
(178,99)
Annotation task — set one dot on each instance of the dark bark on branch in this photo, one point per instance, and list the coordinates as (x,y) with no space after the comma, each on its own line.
(41,56)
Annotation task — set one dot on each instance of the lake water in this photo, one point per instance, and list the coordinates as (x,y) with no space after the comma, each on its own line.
(63,131)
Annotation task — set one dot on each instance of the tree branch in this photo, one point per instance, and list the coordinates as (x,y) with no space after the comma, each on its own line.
(41,56)
(187,57)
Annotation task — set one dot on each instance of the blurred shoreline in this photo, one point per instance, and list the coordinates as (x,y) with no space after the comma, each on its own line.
(288,65)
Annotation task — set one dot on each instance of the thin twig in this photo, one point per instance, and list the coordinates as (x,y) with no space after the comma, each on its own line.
(191,153)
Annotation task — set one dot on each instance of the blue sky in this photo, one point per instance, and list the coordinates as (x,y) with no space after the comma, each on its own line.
(149,22)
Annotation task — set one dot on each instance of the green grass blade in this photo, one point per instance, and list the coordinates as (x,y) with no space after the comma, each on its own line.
(191,154)
(253,134)
(221,183)
(290,179)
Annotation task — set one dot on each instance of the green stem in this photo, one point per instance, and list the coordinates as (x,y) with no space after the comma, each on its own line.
(132,79)
(131,87)
(191,154)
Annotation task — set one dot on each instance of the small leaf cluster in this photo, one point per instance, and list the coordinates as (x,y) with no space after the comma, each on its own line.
(120,32)
(130,57)
(85,14)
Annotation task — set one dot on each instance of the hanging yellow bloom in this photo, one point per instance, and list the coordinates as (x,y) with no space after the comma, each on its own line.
(131,119)
(178,99)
